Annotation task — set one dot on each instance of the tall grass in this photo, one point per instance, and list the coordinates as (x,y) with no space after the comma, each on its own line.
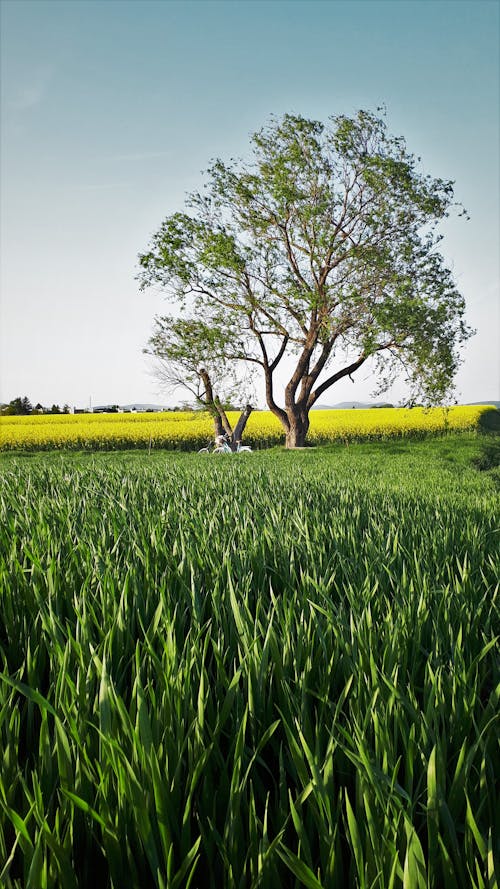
(281,671)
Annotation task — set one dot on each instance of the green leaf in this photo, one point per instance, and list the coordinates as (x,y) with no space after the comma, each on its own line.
(31,693)
(189,864)
(85,807)
(355,841)
(415,874)
(476,833)
(298,868)
(35,879)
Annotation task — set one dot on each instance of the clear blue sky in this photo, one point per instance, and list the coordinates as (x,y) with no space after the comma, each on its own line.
(111,109)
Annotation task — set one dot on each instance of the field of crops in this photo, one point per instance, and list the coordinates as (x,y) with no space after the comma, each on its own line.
(278,671)
(191,431)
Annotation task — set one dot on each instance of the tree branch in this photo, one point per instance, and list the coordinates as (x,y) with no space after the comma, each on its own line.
(279,356)
(346,371)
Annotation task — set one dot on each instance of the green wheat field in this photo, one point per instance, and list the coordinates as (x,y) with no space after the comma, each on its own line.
(276,670)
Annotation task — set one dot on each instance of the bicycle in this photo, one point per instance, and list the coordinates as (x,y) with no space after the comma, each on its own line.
(221,446)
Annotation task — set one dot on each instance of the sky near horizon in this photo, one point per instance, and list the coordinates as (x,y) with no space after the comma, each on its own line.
(110,110)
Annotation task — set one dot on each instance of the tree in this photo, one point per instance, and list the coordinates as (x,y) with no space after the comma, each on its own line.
(320,249)
(185,348)
(18,406)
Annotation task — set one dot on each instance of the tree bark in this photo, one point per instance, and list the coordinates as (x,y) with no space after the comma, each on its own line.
(223,416)
(240,427)
(209,403)
(297,432)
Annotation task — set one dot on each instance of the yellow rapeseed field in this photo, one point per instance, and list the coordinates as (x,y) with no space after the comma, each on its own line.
(191,431)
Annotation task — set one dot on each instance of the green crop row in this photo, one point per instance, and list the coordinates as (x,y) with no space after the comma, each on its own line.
(274,672)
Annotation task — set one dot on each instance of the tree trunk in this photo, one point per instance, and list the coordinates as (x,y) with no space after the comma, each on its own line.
(240,427)
(223,417)
(222,426)
(207,400)
(218,427)
(299,426)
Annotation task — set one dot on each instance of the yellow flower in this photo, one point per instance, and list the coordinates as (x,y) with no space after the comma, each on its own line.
(184,430)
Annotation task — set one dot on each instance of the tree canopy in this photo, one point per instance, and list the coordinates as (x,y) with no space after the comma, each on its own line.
(321,248)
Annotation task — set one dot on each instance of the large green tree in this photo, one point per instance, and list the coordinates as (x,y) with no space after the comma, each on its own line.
(322,248)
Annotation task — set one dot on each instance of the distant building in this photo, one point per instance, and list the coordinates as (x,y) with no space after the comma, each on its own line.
(123,409)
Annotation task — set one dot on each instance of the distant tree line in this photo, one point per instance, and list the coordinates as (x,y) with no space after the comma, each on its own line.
(22,407)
